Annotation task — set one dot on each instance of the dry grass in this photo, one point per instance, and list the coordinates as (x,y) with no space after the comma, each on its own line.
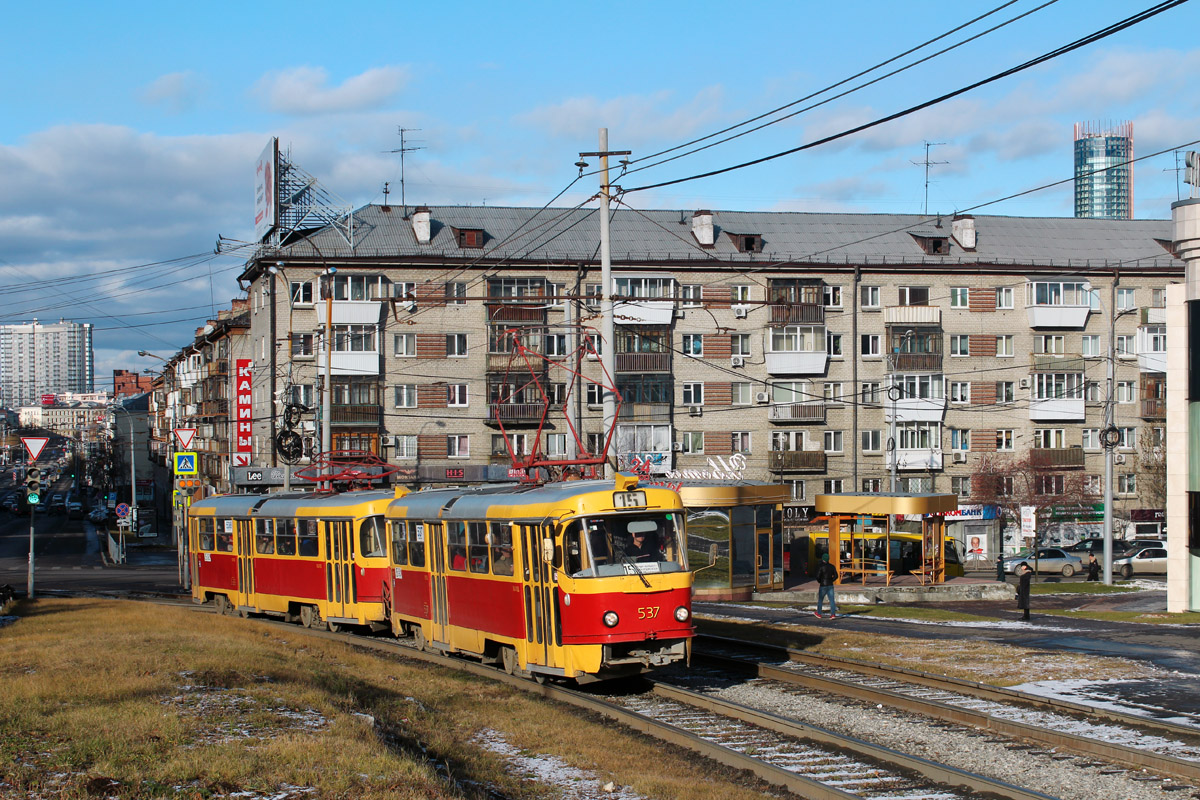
(985,662)
(129,700)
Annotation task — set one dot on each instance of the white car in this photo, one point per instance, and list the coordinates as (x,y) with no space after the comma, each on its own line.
(1145,561)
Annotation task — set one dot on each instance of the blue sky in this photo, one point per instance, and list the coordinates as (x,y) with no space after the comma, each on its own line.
(129,131)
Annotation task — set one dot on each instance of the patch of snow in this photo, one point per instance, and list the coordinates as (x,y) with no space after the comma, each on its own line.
(570,782)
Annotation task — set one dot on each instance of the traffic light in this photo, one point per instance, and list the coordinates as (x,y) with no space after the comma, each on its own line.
(33,485)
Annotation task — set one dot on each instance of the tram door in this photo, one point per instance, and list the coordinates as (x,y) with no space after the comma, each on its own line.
(244,532)
(539,606)
(435,548)
(339,569)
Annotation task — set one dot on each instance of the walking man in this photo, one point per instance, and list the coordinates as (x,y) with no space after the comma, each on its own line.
(826,575)
(1024,575)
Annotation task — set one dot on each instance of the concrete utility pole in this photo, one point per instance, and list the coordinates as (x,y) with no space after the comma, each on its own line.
(608,344)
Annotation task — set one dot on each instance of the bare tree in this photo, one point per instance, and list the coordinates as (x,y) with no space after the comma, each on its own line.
(1152,469)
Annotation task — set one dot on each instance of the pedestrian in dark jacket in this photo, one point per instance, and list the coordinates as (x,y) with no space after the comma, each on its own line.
(827,574)
(1093,568)
(1024,575)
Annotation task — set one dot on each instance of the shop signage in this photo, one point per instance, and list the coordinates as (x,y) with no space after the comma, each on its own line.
(719,469)
(244,408)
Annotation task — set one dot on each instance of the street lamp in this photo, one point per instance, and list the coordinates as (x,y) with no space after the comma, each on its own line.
(1110,437)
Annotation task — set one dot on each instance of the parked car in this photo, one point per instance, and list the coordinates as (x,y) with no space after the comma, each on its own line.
(1146,561)
(1085,546)
(1046,560)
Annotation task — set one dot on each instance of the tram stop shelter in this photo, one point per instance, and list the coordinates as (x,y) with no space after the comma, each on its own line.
(735,537)
(861,532)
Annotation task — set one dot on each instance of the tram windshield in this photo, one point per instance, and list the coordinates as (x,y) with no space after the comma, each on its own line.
(625,545)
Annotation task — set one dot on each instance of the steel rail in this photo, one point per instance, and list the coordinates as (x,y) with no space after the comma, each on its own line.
(1115,753)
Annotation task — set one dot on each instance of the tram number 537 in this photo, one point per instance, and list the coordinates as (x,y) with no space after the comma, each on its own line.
(648,612)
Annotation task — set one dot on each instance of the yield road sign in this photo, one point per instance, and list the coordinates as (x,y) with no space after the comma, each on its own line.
(34,445)
(184,437)
(185,464)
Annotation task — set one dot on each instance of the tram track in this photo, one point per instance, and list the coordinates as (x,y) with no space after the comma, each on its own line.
(1130,741)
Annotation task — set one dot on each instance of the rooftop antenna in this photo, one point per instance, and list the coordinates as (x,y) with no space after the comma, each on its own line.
(385,194)
(927,163)
(405,149)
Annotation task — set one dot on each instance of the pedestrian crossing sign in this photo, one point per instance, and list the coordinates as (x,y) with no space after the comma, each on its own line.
(185,464)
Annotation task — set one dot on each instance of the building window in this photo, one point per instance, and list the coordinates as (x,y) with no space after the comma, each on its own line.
(914,295)
(456,395)
(832,296)
(1059,293)
(1156,338)
(960,485)
(456,345)
(556,344)
(595,395)
(1004,346)
(1049,438)
(918,435)
(833,486)
(693,394)
(1127,438)
(869,297)
(405,446)
(302,345)
(833,344)
(693,344)
(833,441)
(644,288)
(1049,484)
(739,293)
(1049,345)
(958,297)
(1005,441)
(871,441)
(1158,298)
(354,338)
(692,441)
(514,290)
(740,441)
(404,345)
(960,392)
(556,445)
(1125,299)
(556,394)
(302,394)
(1091,346)
(518,441)
(740,392)
(1057,386)
(1092,393)
(302,293)
(798,339)
(1005,392)
(834,392)
(960,345)
(870,344)
(870,392)
(739,344)
(797,489)
(690,295)
(458,446)
(406,395)
(595,443)
(1126,483)
(1004,297)
(470,238)
(1126,391)
(1126,345)
(456,293)
(787,441)
(960,439)
(1092,485)
(1091,438)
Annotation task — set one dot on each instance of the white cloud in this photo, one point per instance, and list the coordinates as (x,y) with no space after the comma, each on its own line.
(638,117)
(176,91)
(305,90)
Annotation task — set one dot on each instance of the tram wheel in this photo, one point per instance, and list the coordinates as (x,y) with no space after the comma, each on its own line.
(508,657)
(244,613)
(221,604)
(309,616)
(540,678)
(419,639)
(332,626)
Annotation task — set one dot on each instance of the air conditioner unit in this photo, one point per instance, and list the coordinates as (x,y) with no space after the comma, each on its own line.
(740,311)
(1024,383)
(762,397)
(677,447)
(960,458)
(1119,458)
(679,313)
(737,361)
(695,411)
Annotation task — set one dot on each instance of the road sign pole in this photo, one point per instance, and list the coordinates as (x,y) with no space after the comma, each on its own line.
(29,580)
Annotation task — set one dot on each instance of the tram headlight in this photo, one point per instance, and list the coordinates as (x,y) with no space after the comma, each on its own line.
(611,619)
(682,614)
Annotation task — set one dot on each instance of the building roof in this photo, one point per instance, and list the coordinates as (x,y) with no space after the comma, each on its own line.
(568,236)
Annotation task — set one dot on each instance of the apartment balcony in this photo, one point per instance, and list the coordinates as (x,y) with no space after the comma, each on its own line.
(791,362)
(356,364)
(797,461)
(351,312)
(647,412)
(1154,408)
(527,311)
(515,413)
(1056,457)
(643,362)
(923,458)
(915,409)
(644,311)
(797,313)
(912,315)
(1057,316)
(916,362)
(218,367)
(516,364)
(797,412)
(1056,362)
(214,408)
(1058,409)
(360,415)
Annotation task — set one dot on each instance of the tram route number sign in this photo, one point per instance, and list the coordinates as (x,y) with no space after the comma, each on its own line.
(629,499)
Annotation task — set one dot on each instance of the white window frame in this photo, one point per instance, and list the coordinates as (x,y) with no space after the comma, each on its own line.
(832,441)
(960,392)
(461,447)
(693,345)
(739,344)
(405,446)
(409,347)
(831,296)
(404,395)
(871,440)
(1005,297)
(741,393)
(959,297)
(693,393)
(1126,299)
(457,338)
(691,295)
(1090,346)
(960,345)
(457,395)
(1005,440)
(869,298)
(1005,346)
(556,444)
(691,442)
(870,345)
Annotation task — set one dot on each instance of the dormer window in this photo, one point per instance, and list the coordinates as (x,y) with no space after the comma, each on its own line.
(469,237)
(933,245)
(747,242)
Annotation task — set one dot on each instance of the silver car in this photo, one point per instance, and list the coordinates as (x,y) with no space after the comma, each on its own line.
(1143,562)
(1046,560)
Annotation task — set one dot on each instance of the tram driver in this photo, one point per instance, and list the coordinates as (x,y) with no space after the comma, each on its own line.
(644,544)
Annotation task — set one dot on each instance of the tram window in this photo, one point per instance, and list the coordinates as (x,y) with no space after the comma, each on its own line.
(502,549)
(285,537)
(574,550)
(308,545)
(477,546)
(456,541)
(264,537)
(416,544)
(205,533)
(224,536)
(370,538)
(399,546)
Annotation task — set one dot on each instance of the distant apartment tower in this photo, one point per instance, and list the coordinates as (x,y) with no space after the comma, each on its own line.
(37,359)
(1103,171)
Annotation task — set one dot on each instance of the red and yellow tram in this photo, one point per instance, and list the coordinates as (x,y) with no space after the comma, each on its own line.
(580,579)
